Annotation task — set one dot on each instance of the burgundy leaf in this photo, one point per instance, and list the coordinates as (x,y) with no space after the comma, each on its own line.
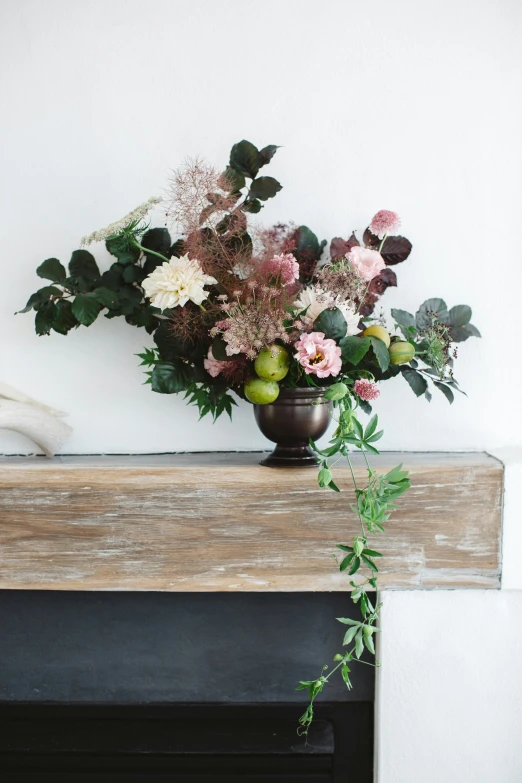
(339,247)
(394,251)
(384,280)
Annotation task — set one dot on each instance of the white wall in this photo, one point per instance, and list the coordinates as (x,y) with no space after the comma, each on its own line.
(407,105)
(449,702)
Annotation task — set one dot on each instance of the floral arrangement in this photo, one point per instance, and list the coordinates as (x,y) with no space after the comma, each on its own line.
(238,309)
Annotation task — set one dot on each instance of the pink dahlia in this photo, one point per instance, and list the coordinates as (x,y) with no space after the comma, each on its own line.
(366,390)
(285,267)
(369,263)
(318,355)
(213,366)
(385,223)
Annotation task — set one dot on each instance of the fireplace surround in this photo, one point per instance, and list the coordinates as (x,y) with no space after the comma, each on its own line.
(173,600)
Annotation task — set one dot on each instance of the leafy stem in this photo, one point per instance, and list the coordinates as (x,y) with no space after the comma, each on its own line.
(373,506)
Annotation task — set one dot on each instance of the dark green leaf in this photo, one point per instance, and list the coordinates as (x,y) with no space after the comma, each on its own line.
(52,269)
(135,274)
(82,264)
(423,316)
(445,390)
(267,153)
(253,206)
(460,315)
(85,308)
(105,296)
(244,158)
(44,318)
(332,322)
(233,180)
(416,381)
(354,348)
(42,295)
(264,188)
(355,566)
(381,353)
(369,562)
(461,333)
(219,350)
(122,251)
(113,278)
(365,406)
(168,378)
(406,322)
(157,239)
(178,249)
(64,319)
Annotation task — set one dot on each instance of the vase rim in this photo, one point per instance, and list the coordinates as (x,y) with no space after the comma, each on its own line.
(309,391)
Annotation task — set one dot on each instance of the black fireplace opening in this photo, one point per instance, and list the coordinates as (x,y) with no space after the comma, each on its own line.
(177,687)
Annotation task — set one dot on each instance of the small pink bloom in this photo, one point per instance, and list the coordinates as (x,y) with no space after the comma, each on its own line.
(367,262)
(318,355)
(284,266)
(366,390)
(213,366)
(385,222)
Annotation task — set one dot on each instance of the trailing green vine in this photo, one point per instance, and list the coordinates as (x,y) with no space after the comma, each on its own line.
(373,506)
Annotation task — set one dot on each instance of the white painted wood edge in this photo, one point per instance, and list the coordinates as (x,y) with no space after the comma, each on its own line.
(511,544)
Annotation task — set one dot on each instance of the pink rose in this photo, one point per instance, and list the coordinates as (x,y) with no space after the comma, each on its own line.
(318,355)
(213,366)
(367,262)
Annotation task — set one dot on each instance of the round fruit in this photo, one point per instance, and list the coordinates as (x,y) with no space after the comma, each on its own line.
(401,352)
(261,392)
(273,363)
(378,331)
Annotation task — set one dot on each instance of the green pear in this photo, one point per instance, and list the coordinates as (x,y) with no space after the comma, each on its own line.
(273,363)
(261,392)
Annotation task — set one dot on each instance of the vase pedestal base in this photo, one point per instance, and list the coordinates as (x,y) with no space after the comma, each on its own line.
(291,457)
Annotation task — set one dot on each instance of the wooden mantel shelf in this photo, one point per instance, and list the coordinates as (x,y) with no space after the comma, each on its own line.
(221,522)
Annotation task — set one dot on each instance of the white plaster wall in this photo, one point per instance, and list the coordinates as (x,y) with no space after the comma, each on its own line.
(407,105)
(449,703)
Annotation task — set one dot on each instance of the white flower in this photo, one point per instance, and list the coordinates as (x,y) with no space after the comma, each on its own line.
(115,228)
(314,301)
(351,317)
(175,282)
(317,300)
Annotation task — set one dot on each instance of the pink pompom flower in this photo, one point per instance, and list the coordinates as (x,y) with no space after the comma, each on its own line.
(213,366)
(366,390)
(385,223)
(369,263)
(284,266)
(318,355)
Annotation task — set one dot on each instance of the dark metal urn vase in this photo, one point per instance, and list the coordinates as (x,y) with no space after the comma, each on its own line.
(296,416)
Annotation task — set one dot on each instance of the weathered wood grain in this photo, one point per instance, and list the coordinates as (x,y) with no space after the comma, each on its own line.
(221,522)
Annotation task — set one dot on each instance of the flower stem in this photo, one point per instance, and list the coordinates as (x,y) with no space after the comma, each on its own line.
(383,240)
(149,252)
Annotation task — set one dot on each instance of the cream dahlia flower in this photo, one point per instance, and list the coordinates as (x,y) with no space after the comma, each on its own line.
(175,282)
